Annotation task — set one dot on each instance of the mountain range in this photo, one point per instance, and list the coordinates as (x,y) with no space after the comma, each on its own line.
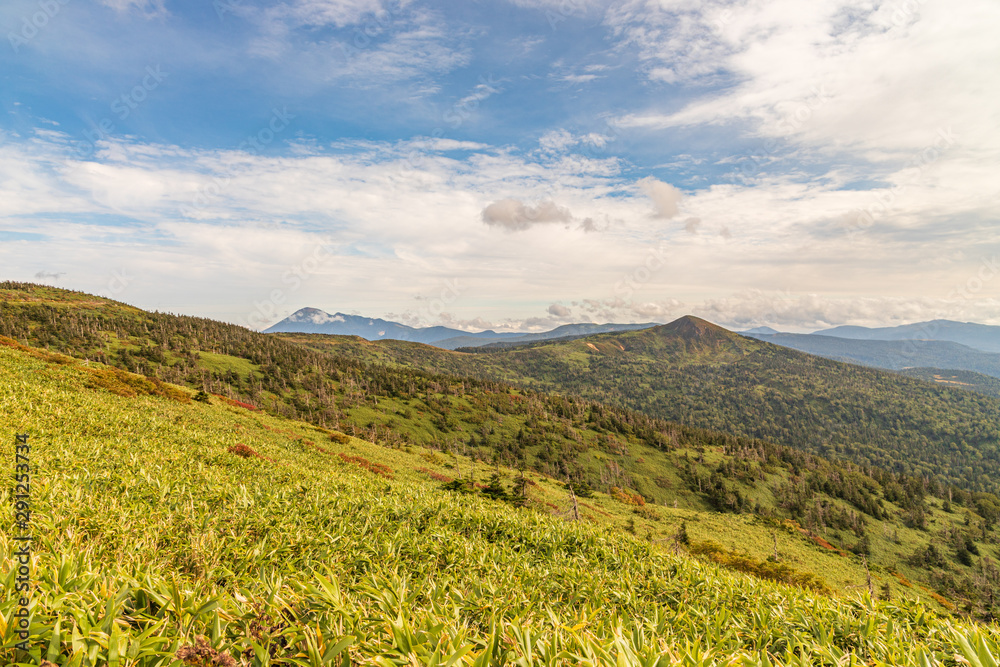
(891,354)
(936,344)
(977,336)
(313,320)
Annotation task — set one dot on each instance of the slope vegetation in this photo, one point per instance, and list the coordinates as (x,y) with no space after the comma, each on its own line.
(173,531)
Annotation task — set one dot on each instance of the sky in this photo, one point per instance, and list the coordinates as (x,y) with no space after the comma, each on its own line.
(507,164)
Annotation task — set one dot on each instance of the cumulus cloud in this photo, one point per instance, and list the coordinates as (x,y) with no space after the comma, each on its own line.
(559,310)
(54,276)
(556,140)
(625,311)
(656,311)
(691,225)
(559,141)
(515,215)
(665,197)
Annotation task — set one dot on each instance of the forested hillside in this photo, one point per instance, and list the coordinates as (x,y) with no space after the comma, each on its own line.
(701,375)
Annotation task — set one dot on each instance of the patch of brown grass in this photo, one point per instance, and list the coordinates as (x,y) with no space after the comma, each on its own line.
(376,468)
(201,654)
(436,476)
(246,452)
(44,355)
(764,569)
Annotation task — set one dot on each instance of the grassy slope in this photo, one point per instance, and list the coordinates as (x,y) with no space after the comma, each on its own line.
(148,532)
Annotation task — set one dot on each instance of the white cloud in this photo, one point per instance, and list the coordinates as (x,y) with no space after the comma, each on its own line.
(664,196)
(809,312)
(515,215)
(557,310)
(556,140)
(395,229)
(579,78)
(339,13)
(836,77)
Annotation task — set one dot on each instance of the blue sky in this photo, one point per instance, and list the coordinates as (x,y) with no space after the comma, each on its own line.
(507,164)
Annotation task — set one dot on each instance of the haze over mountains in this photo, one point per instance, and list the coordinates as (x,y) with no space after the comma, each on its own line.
(979,336)
(943,344)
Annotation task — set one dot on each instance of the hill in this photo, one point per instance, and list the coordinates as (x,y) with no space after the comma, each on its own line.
(701,375)
(560,332)
(891,354)
(169,531)
(983,384)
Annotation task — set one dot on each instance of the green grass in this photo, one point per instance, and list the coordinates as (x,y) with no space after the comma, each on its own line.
(149,533)
(222,363)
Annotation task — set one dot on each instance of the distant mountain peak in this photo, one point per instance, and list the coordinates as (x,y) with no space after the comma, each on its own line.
(767,331)
(315,316)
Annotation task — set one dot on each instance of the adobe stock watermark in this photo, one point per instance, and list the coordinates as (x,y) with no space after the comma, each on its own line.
(374,25)
(988,270)
(253,144)
(266,310)
(904,11)
(565,10)
(122,107)
(449,293)
(223,7)
(31,26)
(118,283)
(630,283)
(863,219)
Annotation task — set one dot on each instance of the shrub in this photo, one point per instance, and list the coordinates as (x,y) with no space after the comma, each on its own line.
(627,497)
(340,438)
(765,570)
(243,451)
(460,485)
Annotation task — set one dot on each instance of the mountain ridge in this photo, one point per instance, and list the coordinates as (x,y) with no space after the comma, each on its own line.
(896,355)
(983,337)
(314,320)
